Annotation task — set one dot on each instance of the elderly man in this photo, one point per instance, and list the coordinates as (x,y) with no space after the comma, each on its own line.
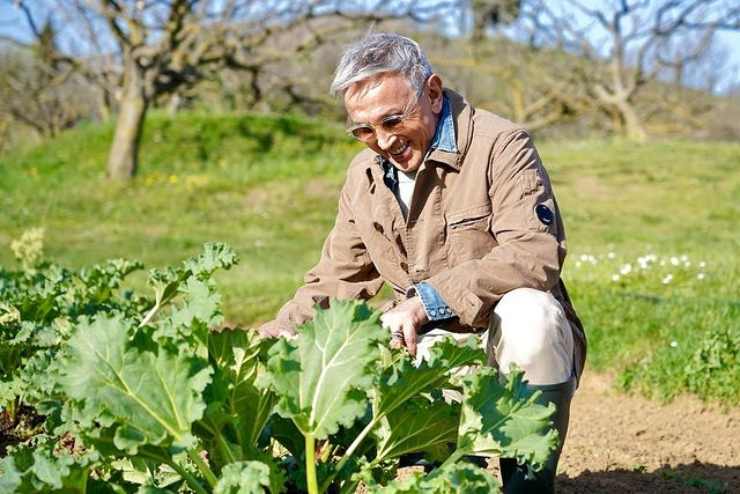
(451,206)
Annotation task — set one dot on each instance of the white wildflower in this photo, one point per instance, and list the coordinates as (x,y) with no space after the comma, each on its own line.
(702,264)
(684,258)
(615,278)
(700,276)
(626,269)
(674,261)
(674,344)
(668,278)
(611,255)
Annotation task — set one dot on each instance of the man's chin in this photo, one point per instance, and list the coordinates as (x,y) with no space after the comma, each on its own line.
(407,166)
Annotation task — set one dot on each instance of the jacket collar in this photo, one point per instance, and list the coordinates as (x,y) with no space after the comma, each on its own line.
(462,115)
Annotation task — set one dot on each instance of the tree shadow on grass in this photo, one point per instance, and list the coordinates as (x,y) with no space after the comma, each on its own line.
(689,478)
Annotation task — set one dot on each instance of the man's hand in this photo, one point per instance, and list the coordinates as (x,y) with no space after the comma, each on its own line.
(274,329)
(404,321)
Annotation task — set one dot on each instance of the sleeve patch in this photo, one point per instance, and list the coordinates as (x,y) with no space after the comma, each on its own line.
(544,214)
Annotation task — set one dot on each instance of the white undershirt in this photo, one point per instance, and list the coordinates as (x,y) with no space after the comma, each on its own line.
(406,182)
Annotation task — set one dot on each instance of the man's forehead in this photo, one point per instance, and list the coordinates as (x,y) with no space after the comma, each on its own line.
(376,97)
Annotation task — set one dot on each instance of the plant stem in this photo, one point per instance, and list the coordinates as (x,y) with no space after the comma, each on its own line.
(349,488)
(150,315)
(351,450)
(313,486)
(224,447)
(191,481)
(12,410)
(456,455)
(221,443)
(203,467)
(356,443)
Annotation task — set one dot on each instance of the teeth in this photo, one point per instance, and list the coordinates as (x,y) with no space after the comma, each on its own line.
(400,149)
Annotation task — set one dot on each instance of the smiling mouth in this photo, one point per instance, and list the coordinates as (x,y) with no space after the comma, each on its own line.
(400,150)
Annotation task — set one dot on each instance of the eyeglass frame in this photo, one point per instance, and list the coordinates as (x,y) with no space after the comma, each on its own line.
(397,119)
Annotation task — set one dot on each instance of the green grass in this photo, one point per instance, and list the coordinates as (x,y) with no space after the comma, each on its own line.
(268,186)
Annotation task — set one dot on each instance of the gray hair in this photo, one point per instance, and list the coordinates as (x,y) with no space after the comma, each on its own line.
(378,53)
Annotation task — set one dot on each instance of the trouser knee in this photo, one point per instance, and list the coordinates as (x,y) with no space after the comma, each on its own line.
(528,328)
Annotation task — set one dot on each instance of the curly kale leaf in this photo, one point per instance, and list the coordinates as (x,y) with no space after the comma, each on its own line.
(504,420)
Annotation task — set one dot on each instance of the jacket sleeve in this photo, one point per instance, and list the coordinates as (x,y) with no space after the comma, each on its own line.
(345,271)
(528,230)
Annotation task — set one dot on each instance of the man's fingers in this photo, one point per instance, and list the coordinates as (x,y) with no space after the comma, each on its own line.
(402,331)
(268,331)
(288,334)
(384,320)
(409,337)
(274,329)
(396,342)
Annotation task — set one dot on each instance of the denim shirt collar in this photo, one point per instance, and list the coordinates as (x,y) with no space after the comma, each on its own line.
(444,135)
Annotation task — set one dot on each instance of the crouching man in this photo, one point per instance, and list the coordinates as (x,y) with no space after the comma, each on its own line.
(451,206)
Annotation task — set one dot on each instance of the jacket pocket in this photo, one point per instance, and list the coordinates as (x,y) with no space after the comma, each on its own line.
(475,218)
(468,234)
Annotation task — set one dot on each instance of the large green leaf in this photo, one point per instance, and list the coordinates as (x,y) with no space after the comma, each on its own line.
(504,420)
(403,380)
(322,377)
(155,397)
(237,352)
(418,426)
(237,409)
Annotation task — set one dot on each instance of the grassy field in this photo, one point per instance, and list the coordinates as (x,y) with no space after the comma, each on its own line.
(653,266)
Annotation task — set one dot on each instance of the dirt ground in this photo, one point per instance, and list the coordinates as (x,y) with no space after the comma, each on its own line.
(628,444)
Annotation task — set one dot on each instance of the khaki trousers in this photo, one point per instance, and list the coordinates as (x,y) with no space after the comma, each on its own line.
(528,328)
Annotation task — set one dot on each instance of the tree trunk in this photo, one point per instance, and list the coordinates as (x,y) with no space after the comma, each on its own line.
(633,128)
(124,153)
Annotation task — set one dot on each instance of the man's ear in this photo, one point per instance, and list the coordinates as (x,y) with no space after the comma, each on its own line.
(434,88)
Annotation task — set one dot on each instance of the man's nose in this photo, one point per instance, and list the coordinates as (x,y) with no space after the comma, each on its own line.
(385,139)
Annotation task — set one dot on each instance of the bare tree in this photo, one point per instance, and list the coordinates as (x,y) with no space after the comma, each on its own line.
(492,13)
(38,89)
(161,46)
(628,44)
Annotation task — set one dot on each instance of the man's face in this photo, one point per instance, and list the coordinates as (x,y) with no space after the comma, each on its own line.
(397,125)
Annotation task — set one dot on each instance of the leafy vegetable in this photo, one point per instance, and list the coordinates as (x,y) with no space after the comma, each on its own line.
(151,395)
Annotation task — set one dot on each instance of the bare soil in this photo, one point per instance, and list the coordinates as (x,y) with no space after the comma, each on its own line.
(628,444)
(13,431)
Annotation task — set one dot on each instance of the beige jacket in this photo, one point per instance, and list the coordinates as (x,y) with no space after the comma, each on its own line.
(482,221)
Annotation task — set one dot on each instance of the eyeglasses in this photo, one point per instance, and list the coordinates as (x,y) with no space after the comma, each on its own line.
(366,132)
